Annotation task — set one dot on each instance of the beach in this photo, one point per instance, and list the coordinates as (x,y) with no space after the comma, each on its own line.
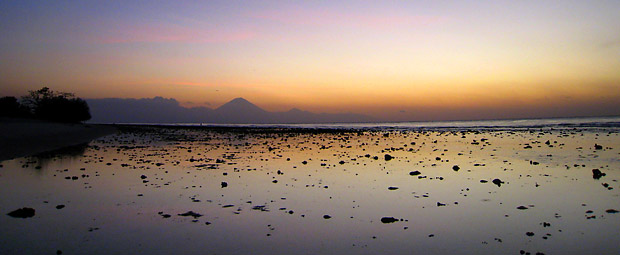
(196,190)
(25,137)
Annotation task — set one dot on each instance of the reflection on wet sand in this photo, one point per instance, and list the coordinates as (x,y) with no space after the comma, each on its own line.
(281,191)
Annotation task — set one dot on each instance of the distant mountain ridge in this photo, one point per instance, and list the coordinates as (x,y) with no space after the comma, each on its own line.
(236,111)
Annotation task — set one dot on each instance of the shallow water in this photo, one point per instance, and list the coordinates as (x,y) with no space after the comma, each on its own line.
(111,208)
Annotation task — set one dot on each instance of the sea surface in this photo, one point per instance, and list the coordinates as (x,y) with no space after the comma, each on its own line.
(486,187)
(452,125)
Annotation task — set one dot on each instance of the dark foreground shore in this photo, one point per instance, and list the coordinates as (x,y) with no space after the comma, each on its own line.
(24,137)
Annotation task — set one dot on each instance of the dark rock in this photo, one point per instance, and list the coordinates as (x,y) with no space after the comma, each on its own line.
(327,217)
(598,147)
(60,207)
(388,157)
(143,177)
(483,181)
(224,184)
(529,233)
(261,208)
(498,182)
(521,207)
(22,213)
(611,211)
(387,220)
(414,173)
(455,168)
(440,204)
(597,174)
(191,214)
(392,188)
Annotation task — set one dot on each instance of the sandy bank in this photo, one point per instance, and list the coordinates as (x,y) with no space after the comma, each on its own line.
(23,137)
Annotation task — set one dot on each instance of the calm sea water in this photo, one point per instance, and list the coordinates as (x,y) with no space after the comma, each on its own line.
(487,124)
(398,188)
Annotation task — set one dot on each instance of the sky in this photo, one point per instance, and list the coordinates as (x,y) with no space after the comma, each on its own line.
(395,60)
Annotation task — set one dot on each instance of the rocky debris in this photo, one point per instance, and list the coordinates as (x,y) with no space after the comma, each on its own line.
(598,147)
(143,177)
(456,168)
(612,211)
(414,173)
(224,184)
(522,207)
(190,214)
(327,217)
(261,208)
(60,207)
(388,157)
(498,182)
(387,220)
(597,174)
(392,188)
(22,213)
(529,233)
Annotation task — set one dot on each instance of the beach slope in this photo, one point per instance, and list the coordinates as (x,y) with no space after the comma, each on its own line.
(25,137)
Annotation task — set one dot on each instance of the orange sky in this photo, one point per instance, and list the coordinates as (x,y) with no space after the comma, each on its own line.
(393,60)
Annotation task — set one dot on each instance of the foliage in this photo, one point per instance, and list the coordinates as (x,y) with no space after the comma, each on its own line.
(48,105)
(10,107)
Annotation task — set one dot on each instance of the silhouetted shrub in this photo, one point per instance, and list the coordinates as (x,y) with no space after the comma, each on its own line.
(10,107)
(56,106)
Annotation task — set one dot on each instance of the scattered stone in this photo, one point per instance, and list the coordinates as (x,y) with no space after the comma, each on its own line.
(455,168)
(598,147)
(190,214)
(388,157)
(327,217)
(387,220)
(522,207)
(611,211)
(224,184)
(60,207)
(143,177)
(414,173)
(392,188)
(529,233)
(498,182)
(22,213)
(597,174)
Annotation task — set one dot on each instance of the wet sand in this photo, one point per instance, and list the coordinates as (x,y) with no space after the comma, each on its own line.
(24,137)
(302,191)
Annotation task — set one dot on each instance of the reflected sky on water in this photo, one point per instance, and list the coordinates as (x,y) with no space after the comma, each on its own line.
(280,186)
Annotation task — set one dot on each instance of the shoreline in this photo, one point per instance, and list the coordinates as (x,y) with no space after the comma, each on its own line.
(27,137)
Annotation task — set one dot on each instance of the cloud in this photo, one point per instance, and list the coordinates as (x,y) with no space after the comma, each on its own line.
(327,17)
(610,44)
(171,33)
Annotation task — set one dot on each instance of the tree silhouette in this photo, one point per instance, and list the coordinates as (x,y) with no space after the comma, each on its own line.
(10,107)
(56,106)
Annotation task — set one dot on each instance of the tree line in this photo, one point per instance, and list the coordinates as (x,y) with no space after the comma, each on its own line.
(46,104)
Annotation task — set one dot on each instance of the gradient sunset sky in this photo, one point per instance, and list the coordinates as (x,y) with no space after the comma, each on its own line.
(395,60)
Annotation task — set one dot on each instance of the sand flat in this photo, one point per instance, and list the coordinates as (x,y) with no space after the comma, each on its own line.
(23,137)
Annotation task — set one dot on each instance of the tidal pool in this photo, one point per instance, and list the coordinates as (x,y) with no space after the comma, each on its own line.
(166,190)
